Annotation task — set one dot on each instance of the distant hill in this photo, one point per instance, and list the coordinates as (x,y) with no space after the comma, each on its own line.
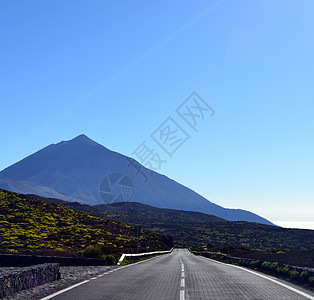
(30,225)
(188,229)
(77,170)
(247,234)
(136,213)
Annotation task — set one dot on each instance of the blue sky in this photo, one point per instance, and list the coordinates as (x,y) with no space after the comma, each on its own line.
(115,70)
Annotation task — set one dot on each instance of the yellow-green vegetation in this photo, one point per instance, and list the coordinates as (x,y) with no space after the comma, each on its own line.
(32,225)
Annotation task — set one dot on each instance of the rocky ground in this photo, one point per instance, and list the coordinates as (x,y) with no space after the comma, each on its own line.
(69,276)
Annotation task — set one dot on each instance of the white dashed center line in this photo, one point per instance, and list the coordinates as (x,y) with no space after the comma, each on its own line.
(182,285)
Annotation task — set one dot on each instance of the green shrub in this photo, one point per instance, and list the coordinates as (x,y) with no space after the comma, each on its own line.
(246,262)
(294,275)
(273,267)
(265,265)
(311,281)
(304,276)
(286,271)
(126,262)
(254,263)
(111,260)
(279,270)
(92,252)
(234,262)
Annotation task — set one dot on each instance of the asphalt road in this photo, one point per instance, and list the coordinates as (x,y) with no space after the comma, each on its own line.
(181,275)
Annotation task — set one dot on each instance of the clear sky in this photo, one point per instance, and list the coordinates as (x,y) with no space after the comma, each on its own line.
(115,70)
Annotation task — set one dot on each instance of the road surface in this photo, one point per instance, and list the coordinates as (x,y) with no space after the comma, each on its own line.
(182,275)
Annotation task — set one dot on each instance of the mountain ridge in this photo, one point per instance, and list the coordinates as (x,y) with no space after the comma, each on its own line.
(74,170)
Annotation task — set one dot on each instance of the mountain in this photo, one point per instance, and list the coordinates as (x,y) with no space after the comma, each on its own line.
(84,171)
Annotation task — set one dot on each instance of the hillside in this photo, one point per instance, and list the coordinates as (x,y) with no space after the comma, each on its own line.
(81,170)
(191,228)
(137,213)
(30,225)
(251,235)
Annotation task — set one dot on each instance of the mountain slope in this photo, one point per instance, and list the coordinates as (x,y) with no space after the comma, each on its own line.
(76,170)
(136,213)
(32,225)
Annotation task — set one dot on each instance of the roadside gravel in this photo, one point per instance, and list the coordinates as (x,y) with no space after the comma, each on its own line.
(69,276)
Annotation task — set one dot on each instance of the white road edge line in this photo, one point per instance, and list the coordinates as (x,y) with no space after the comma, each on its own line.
(64,290)
(85,281)
(266,277)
